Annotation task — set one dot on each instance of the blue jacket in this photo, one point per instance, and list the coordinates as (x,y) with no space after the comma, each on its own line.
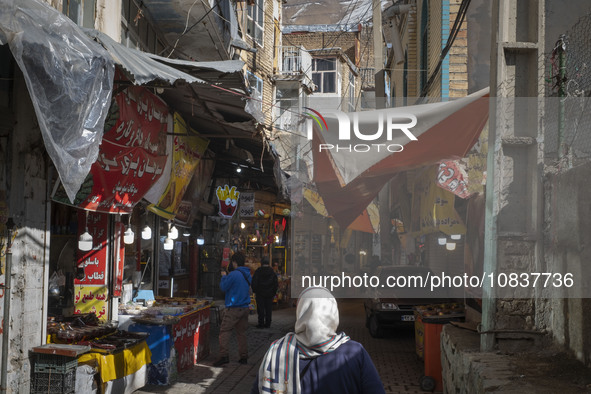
(236,285)
(347,370)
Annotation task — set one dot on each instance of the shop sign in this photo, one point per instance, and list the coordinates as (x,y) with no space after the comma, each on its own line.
(433,208)
(91,299)
(187,152)
(247,204)
(132,154)
(227,200)
(452,177)
(93,262)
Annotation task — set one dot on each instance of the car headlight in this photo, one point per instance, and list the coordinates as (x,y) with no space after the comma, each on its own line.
(389,306)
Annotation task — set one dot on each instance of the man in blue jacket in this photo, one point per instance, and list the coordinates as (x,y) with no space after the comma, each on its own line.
(236,285)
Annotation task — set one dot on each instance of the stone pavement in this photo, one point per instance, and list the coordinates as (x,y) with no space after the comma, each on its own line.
(394,356)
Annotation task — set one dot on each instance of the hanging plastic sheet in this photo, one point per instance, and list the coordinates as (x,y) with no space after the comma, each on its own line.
(69,78)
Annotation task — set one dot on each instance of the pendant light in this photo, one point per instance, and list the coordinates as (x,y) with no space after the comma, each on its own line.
(173,233)
(85,240)
(147,232)
(200,240)
(168,243)
(128,235)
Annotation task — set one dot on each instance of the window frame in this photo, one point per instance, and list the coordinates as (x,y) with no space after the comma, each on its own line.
(256,82)
(323,73)
(256,21)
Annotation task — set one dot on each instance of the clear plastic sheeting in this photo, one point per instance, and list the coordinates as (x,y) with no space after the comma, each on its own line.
(69,78)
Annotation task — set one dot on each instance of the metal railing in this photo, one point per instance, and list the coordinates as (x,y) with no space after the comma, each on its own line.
(295,60)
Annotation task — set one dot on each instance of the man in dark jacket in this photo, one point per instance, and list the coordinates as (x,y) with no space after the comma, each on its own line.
(236,285)
(264,285)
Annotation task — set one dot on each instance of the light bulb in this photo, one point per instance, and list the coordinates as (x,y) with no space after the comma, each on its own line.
(173,233)
(168,243)
(186,232)
(242,225)
(200,240)
(147,232)
(128,236)
(85,241)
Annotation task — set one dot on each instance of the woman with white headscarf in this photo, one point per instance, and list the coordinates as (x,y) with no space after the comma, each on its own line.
(315,359)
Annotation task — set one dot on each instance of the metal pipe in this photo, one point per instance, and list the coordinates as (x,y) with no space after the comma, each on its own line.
(6,312)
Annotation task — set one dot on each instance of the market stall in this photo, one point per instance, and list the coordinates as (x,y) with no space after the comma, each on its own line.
(178,331)
(120,357)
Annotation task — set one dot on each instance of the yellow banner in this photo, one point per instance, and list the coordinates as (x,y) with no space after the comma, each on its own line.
(435,205)
(187,151)
(89,299)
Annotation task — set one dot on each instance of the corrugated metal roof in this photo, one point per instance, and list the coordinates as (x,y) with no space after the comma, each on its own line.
(140,66)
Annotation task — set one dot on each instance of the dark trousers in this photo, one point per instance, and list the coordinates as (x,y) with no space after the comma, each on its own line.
(264,310)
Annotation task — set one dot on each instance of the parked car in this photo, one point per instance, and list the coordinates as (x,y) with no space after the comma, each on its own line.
(392,307)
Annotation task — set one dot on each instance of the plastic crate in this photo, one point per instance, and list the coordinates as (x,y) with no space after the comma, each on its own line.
(53,382)
(54,363)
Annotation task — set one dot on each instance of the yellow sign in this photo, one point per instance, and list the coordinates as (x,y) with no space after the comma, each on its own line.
(89,299)
(187,151)
(434,207)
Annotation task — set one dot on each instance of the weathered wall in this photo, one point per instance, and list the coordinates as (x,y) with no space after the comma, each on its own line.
(24,161)
(567,248)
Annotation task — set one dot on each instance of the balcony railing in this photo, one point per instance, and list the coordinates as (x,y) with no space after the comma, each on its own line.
(295,60)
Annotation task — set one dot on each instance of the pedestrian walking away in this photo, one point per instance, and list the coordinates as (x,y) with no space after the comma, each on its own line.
(314,358)
(236,286)
(264,285)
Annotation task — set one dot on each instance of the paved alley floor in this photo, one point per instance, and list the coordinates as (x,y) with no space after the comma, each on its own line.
(394,356)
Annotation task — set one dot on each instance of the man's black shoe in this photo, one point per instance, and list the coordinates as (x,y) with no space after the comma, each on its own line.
(260,326)
(221,361)
(243,360)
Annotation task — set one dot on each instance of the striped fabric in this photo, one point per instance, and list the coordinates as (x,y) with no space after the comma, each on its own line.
(280,370)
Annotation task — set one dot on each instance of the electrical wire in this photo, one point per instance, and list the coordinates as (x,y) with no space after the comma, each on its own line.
(190,28)
(452,36)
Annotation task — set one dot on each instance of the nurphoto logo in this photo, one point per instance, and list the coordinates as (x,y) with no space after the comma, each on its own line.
(387,123)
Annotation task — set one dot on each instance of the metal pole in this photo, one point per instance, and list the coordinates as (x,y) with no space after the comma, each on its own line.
(6,317)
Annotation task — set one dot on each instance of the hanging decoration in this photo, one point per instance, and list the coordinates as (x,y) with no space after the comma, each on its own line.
(227,200)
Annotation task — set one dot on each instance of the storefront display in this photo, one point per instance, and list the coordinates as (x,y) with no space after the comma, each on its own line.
(178,334)
(121,357)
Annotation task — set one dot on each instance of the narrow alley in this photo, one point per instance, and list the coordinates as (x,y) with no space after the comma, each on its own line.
(394,356)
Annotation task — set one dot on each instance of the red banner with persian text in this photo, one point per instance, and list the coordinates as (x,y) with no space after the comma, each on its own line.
(132,154)
(93,262)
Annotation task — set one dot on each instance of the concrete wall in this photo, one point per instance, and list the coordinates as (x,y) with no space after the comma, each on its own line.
(25,163)
(567,247)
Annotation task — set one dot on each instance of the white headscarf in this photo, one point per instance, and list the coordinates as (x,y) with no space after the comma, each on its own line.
(315,335)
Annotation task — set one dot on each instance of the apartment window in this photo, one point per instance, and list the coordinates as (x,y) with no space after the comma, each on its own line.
(255,20)
(82,12)
(256,84)
(137,31)
(324,75)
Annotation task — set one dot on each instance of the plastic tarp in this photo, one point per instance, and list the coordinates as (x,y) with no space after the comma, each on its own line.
(350,173)
(69,78)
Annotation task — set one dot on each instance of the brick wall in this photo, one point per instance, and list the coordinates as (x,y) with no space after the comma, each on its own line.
(261,63)
(458,58)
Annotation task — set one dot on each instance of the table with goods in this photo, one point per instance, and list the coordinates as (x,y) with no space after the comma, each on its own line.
(178,334)
(116,360)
